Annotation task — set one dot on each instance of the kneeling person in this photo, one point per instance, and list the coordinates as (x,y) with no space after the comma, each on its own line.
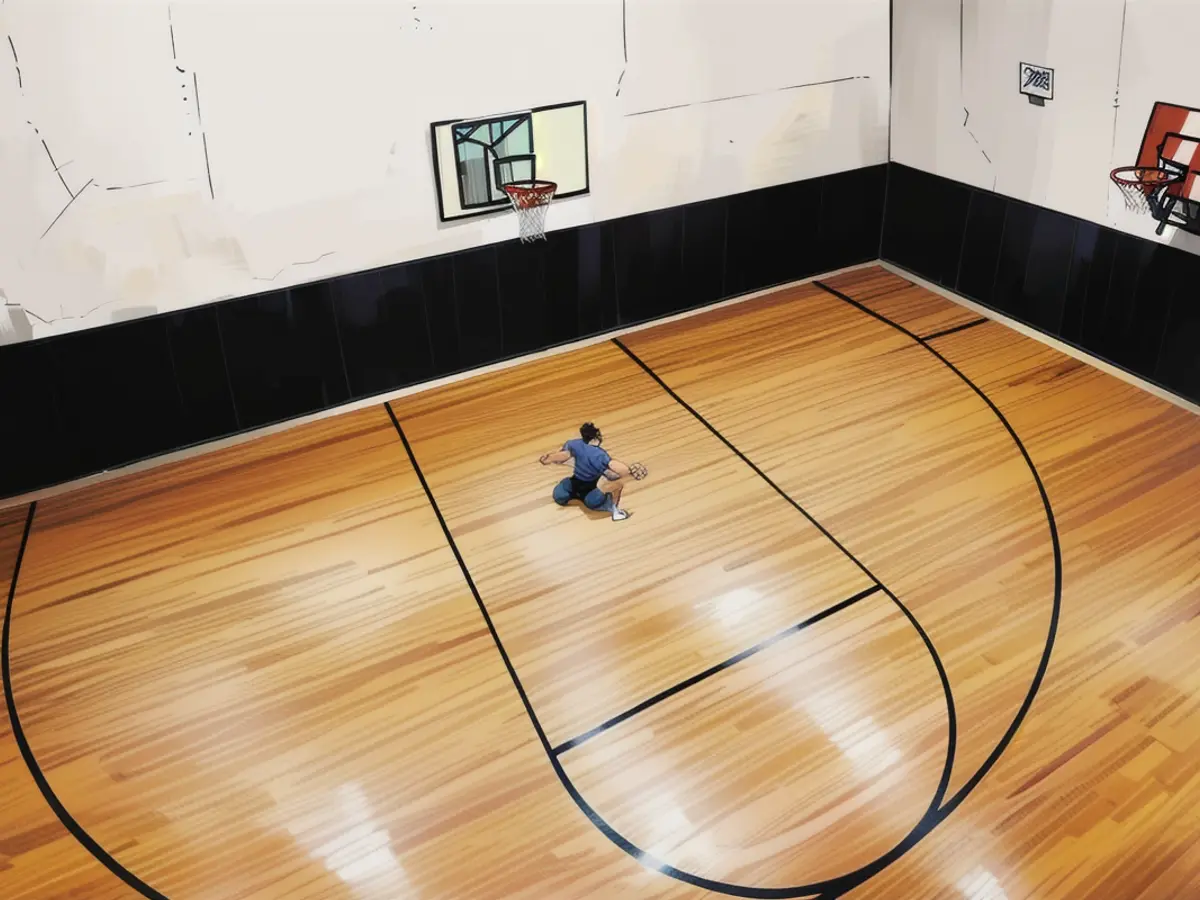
(591,465)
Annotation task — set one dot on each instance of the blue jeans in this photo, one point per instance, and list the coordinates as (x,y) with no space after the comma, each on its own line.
(564,493)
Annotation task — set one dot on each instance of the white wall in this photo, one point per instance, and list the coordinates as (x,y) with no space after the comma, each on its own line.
(1112,59)
(316,117)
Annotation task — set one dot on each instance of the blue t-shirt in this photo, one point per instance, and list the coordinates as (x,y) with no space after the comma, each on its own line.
(590,461)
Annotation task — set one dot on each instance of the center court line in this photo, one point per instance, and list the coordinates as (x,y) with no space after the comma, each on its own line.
(713,670)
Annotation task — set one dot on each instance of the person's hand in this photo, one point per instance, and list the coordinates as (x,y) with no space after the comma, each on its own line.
(638,471)
(544,459)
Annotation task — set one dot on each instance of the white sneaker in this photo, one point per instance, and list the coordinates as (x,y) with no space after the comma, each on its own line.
(620,515)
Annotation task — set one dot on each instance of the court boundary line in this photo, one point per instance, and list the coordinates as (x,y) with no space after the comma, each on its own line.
(77,831)
(941,810)
(764,644)
(826,889)
(834,887)
(955,330)
(1056,609)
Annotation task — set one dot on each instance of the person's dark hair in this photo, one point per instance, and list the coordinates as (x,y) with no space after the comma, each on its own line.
(589,432)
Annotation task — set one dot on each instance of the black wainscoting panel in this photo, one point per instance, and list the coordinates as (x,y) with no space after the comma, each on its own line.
(591,271)
(851,216)
(477,300)
(981,245)
(383,328)
(118,396)
(1047,270)
(649,251)
(37,448)
(924,222)
(283,354)
(524,303)
(1137,318)
(545,286)
(110,396)
(1104,322)
(441,312)
(1178,366)
(798,216)
(1008,291)
(195,344)
(703,279)
(773,236)
(1087,287)
(746,266)
(1122,297)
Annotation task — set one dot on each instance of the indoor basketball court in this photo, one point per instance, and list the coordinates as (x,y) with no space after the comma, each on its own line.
(905,608)
(624,450)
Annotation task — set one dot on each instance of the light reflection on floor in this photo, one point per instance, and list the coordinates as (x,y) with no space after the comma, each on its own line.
(859,739)
(360,852)
(981,885)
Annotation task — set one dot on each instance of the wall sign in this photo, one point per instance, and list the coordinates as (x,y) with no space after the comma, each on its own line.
(1037,83)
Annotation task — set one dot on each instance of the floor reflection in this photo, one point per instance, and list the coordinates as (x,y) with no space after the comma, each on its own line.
(345,837)
(981,885)
(862,742)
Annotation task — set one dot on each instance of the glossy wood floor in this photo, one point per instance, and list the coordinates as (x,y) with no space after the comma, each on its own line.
(834,652)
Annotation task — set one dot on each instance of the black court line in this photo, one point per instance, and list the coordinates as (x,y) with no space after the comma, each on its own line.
(837,886)
(742,456)
(1044,663)
(955,330)
(77,831)
(713,670)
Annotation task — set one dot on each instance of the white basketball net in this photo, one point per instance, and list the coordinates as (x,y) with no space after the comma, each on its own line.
(531,203)
(1139,184)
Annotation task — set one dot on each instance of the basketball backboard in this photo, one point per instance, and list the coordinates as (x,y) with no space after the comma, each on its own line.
(474,158)
(1172,143)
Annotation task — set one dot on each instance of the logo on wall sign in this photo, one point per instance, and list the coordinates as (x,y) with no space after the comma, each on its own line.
(1037,83)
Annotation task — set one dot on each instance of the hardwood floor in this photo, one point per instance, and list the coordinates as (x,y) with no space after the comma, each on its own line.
(834,649)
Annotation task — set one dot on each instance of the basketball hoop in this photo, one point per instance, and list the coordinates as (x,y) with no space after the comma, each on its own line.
(531,199)
(1139,184)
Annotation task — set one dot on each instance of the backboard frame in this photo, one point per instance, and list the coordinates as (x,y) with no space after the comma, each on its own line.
(445,181)
(1174,206)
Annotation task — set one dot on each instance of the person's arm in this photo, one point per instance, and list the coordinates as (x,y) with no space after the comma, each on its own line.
(556,457)
(616,469)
